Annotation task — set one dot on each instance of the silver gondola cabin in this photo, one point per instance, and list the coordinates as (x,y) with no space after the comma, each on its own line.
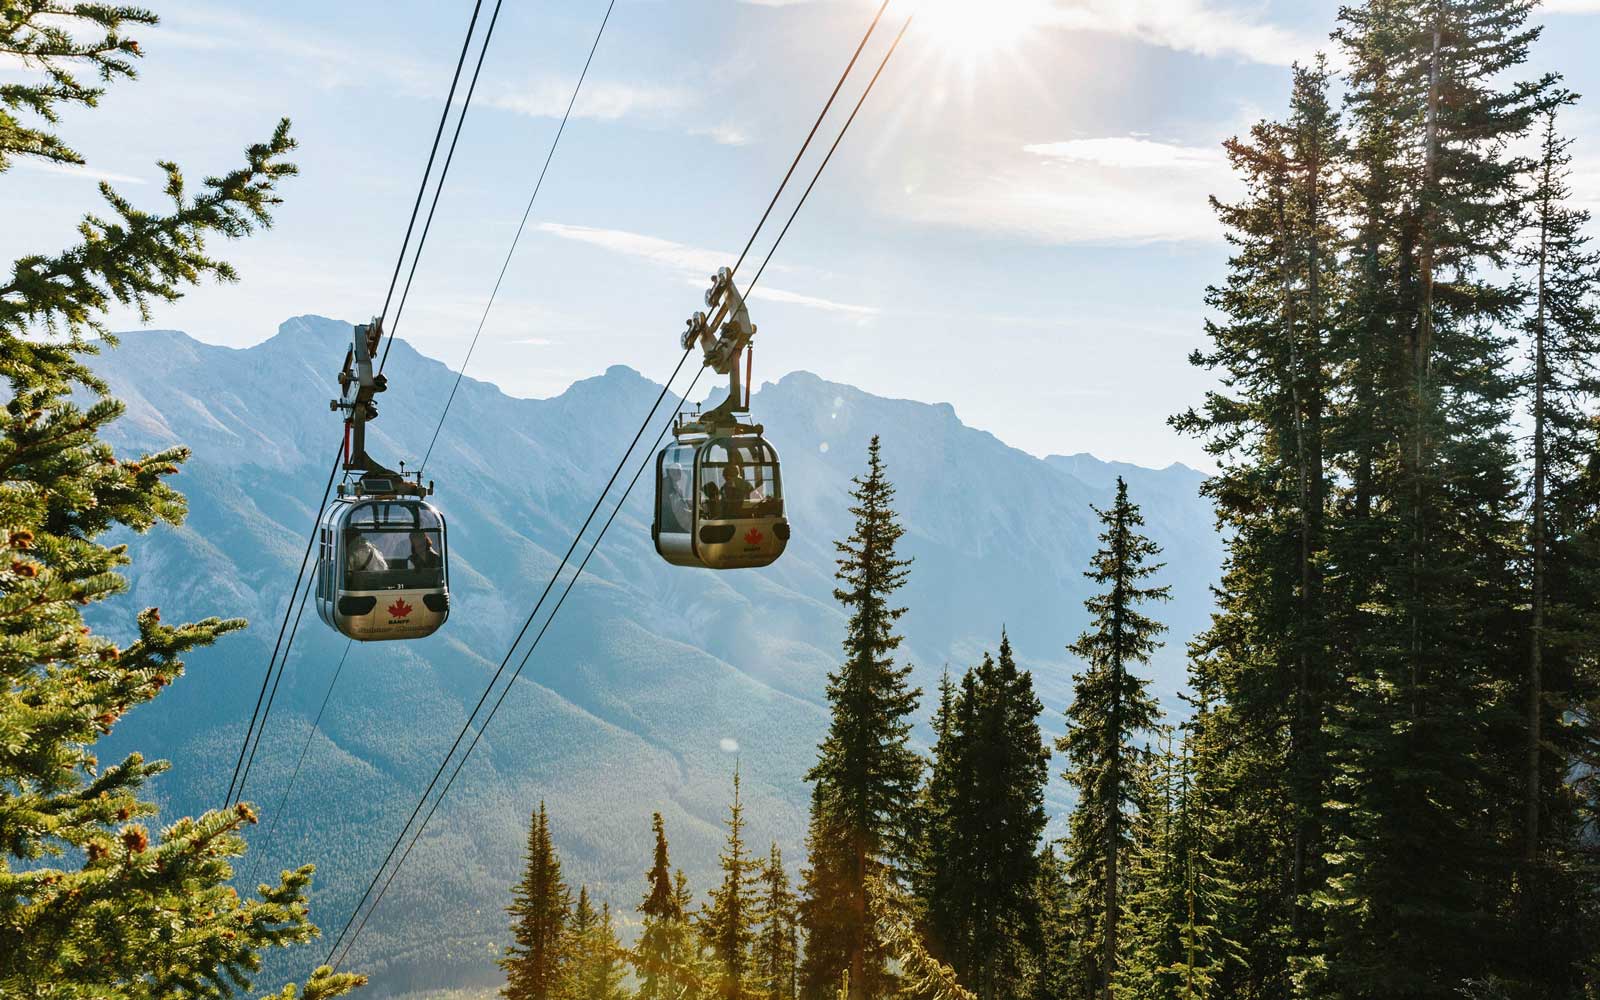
(719,489)
(382,556)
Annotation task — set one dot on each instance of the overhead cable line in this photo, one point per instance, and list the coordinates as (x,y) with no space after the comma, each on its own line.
(422,187)
(438,190)
(599,501)
(549,156)
(257,717)
(405,293)
(261,730)
(283,627)
(283,800)
(554,144)
(392,873)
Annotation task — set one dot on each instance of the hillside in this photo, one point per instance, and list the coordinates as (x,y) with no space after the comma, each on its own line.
(650,675)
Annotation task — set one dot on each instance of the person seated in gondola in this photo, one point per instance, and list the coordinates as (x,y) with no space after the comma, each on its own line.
(423,554)
(361,556)
(736,490)
(677,510)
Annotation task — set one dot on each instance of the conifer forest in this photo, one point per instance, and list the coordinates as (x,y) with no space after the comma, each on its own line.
(1381,777)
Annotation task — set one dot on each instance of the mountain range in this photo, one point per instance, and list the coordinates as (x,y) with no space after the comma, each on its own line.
(652,681)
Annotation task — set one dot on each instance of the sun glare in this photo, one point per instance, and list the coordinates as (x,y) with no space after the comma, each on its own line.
(970,30)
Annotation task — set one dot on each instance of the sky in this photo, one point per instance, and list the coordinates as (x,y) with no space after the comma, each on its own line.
(1017,223)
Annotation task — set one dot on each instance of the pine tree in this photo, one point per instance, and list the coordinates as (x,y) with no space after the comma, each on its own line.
(541,910)
(1151,916)
(606,974)
(946,876)
(865,778)
(1175,948)
(728,922)
(1110,710)
(1563,334)
(94,904)
(578,929)
(667,957)
(1059,973)
(935,805)
(1430,640)
(592,966)
(1268,429)
(777,944)
(985,805)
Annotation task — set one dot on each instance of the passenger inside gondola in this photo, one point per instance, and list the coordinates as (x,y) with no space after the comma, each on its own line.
(362,556)
(423,553)
(736,490)
(739,479)
(676,516)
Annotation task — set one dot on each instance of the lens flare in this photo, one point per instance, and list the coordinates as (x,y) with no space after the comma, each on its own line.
(973,30)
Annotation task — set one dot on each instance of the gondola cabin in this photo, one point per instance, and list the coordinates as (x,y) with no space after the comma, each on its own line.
(719,503)
(382,568)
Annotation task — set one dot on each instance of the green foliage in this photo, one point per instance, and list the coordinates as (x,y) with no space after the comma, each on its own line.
(1384,760)
(776,961)
(137,257)
(540,910)
(922,976)
(865,778)
(1179,892)
(43,35)
(91,904)
(1110,710)
(982,817)
(667,959)
(593,961)
(1413,900)
(1557,889)
(1268,427)
(1063,963)
(728,921)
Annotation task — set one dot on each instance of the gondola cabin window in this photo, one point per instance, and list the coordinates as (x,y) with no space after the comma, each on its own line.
(392,545)
(676,514)
(739,479)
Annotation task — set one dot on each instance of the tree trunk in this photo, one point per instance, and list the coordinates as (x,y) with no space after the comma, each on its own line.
(1113,833)
(1422,348)
(858,948)
(1530,822)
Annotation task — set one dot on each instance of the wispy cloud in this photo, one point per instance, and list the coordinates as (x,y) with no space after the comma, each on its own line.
(601,100)
(694,264)
(1189,26)
(691,261)
(1112,189)
(1130,152)
(723,135)
(74,170)
(813,302)
(205,27)
(1196,26)
(1570,7)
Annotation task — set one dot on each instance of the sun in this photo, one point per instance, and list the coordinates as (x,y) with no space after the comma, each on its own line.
(971,30)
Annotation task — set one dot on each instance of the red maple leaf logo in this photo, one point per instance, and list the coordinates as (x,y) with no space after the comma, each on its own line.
(399,609)
(753,536)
